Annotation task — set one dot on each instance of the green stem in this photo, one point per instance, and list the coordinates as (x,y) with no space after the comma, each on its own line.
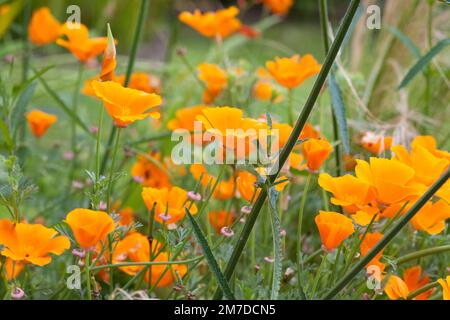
(423,289)
(291,106)
(389,235)
(430,45)
(318,273)
(97,148)
(26,43)
(329,60)
(422,253)
(88,275)
(111,170)
(299,236)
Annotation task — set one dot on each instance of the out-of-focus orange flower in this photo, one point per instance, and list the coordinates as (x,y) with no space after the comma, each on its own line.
(43,28)
(376,144)
(429,143)
(280,7)
(169,204)
(126,105)
(185,118)
(144,82)
(369,241)
(30,243)
(136,248)
(445,284)
(12,268)
(291,72)
(309,132)
(40,122)
(220,23)
(220,219)
(150,171)
(396,288)
(391,180)
(246,185)
(263,90)
(109,59)
(431,217)
(416,279)
(4,9)
(224,189)
(215,80)
(333,228)
(126,216)
(79,43)
(316,151)
(89,227)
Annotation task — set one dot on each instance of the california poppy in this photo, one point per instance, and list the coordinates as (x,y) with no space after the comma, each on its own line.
(396,288)
(79,43)
(215,80)
(416,279)
(109,59)
(280,7)
(32,243)
(246,185)
(43,27)
(220,219)
(376,144)
(291,72)
(316,151)
(333,228)
(126,105)
(263,90)
(169,204)
(369,241)
(225,187)
(90,227)
(431,217)
(220,23)
(445,284)
(40,122)
(185,119)
(150,171)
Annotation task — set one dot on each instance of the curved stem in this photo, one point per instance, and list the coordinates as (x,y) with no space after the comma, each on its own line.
(329,60)
(423,289)
(422,253)
(111,170)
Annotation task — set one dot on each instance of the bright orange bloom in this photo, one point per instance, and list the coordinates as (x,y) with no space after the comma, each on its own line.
(169,204)
(126,216)
(224,189)
(215,80)
(220,219)
(150,171)
(291,72)
(280,7)
(79,43)
(429,143)
(333,228)
(220,23)
(246,185)
(4,9)
(126,105)
(391,180)
(109,59)
(445,284)
(43,28)
(396,288)
(185,118)
(415,279)
(89,227)
(30,243)
(431,217)
(136,248)
(376,144)
(12,268)
(369,241)
(263,90)
(316,151)
(40,122)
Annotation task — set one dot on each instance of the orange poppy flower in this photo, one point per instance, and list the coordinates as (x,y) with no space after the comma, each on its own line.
(4,9)
(79,43)
(333,228)
(220,219)
(263,90)
(12,268)
(215,80)
(40,122)
(415,279)
(431,217)
(220,23)
(396,288)
(280,7)
(150,171)
(291,72)
(144,82)
(43,28)
(224,189)
(185,119)
(429,143)
(376,144)
(391,180)
(169,204)
(89,227)
(445,284)
(126,216)
(109,59)
(136,248)
(369,241)
(246,185)
(316,151)
(126,105)
(30,243)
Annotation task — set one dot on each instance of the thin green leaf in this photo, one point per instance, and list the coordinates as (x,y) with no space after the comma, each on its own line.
(277,245)
(8,18)
(18,112)
(223,284)
(339,110)
(423,62)
(9,143)
(406,41)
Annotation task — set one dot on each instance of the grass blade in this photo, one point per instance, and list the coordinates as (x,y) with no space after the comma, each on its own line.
(223,283)
(423,62)
(406,41)
(277,246)
(20,106)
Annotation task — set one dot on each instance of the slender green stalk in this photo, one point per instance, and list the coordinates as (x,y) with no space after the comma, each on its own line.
(423,289)
(422,253)
(97,147)
(429,70)
(26,43)
(389,235)
(329,60)
(299,236)
(111,170)
(148,263)
(291,106)
(143,11)
(88,275)
(318,274)
(326,44)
